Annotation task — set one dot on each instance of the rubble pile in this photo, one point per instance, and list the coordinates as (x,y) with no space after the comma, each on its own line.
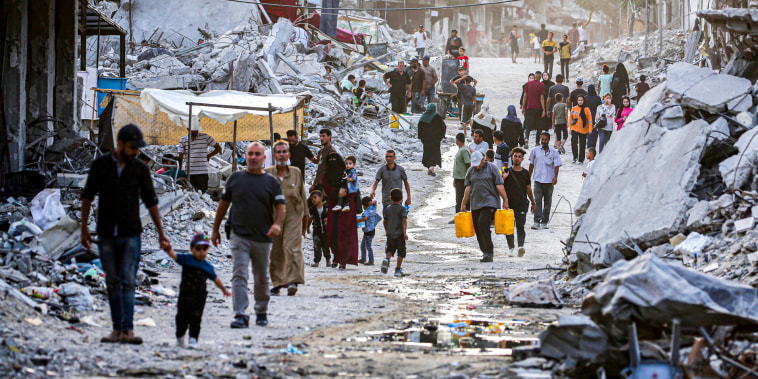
(589,60)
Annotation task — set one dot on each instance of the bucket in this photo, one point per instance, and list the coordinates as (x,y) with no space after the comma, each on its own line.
(504,221)
(464,225)
(108,83)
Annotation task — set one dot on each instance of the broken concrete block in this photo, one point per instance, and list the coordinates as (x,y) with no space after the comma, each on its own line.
(673,118)
(681,76)
(539,293)
(693,245)
(646,105)
(720,129)
(736,177)
(652,209)
(744,224)
(715,92)
(740,104)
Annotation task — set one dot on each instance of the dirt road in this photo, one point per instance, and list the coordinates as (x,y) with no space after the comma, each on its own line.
(329,318)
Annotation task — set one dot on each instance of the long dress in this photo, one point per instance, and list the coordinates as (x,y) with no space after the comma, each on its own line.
(287,263)
(431,135)
(345,237)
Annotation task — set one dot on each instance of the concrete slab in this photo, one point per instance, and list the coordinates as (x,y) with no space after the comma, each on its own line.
(645,186)
(713,93)
(680,77)
(743,163)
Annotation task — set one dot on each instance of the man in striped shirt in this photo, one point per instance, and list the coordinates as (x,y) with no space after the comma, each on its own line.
(199,157)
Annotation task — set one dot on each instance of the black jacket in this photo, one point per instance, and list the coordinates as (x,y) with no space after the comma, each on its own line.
(118,205)
(513,133)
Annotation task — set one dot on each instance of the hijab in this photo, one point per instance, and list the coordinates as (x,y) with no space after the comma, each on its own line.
(621,109)
(335,169)
(429,113)
(592,100)
(622,76)
(485,118)
(581,109)
(512,116)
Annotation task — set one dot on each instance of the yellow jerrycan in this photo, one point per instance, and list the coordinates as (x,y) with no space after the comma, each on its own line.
(394,122)
(464,225)
(504,221)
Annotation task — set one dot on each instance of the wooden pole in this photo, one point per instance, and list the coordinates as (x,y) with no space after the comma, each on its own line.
(234,148)
(189,141)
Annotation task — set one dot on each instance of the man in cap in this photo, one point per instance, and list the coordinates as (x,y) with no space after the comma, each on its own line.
(419,41)
(121,181)
(430,80)
(576,92)
(483,186)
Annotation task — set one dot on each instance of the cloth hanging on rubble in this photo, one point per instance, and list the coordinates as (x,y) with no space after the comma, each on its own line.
(329,13)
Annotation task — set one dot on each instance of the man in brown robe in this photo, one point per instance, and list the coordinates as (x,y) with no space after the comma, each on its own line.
(287,266)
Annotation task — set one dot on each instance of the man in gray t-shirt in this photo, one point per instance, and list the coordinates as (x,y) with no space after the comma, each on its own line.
(392,176)
(257,215)
(483,186)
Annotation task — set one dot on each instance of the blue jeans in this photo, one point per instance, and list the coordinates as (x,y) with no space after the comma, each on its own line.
(429,97)
(605,135)
(366,247)
(120,257)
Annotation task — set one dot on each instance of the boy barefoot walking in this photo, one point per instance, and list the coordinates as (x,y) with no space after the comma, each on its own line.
(396,227)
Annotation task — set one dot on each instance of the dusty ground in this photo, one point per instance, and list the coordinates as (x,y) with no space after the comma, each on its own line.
(329,317)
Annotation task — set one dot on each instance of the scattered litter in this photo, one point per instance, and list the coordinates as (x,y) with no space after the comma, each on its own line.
(145,322)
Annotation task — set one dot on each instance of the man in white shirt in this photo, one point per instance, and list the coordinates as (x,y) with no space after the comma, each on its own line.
(583,30)
(419,41)
(197,164)
(479,143)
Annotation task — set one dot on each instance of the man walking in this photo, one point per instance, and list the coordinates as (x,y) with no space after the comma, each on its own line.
(419,41)
(549,47)
(573,35)
(197,165)
(543,167)
(460,167)
(287,266)
(513,40)
(418,82)
(255,198)
(430,80)
(452,45)
(399,84)
(533,107)
(299,152)
(517,183)
(542,33)
(121,181)
(478,143)
(565,54)
(579,90)
(392,176)
(326,148)
(484,186)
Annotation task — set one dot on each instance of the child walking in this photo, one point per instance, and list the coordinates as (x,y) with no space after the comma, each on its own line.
(396,227)
(560,123)
(349,182)
(192,290)
(371,218)
(317,217)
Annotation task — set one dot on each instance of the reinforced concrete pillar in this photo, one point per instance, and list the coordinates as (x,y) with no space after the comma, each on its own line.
(14,78)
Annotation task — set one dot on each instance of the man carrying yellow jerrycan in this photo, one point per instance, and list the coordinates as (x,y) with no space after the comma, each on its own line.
(516,183)
(484,186)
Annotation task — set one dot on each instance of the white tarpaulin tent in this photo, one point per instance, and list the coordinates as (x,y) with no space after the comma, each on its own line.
(163,115)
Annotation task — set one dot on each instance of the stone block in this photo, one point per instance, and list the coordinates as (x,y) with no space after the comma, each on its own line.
(713,93)
(681,76)
(747,160)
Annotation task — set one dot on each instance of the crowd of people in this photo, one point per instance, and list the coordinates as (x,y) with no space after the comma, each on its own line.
(270,207)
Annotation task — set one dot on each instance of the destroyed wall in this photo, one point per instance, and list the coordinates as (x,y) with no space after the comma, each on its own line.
(178,21)
(658,166)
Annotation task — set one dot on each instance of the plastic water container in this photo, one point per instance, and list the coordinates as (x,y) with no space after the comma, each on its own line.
(504,221)
(361,224)
(464,225)
(394,122)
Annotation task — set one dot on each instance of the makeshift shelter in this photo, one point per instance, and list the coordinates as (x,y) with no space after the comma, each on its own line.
(227,116)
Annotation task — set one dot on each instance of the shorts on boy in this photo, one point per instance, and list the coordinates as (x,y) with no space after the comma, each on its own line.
(396,244)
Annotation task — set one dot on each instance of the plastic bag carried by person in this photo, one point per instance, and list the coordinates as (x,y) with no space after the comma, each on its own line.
(46,208)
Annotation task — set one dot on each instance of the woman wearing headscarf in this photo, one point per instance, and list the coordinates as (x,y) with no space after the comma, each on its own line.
(592,101)
(619,85)
(512,128)
(623,112)
(580,121)
(485,122)
(341,227)
(431,131)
